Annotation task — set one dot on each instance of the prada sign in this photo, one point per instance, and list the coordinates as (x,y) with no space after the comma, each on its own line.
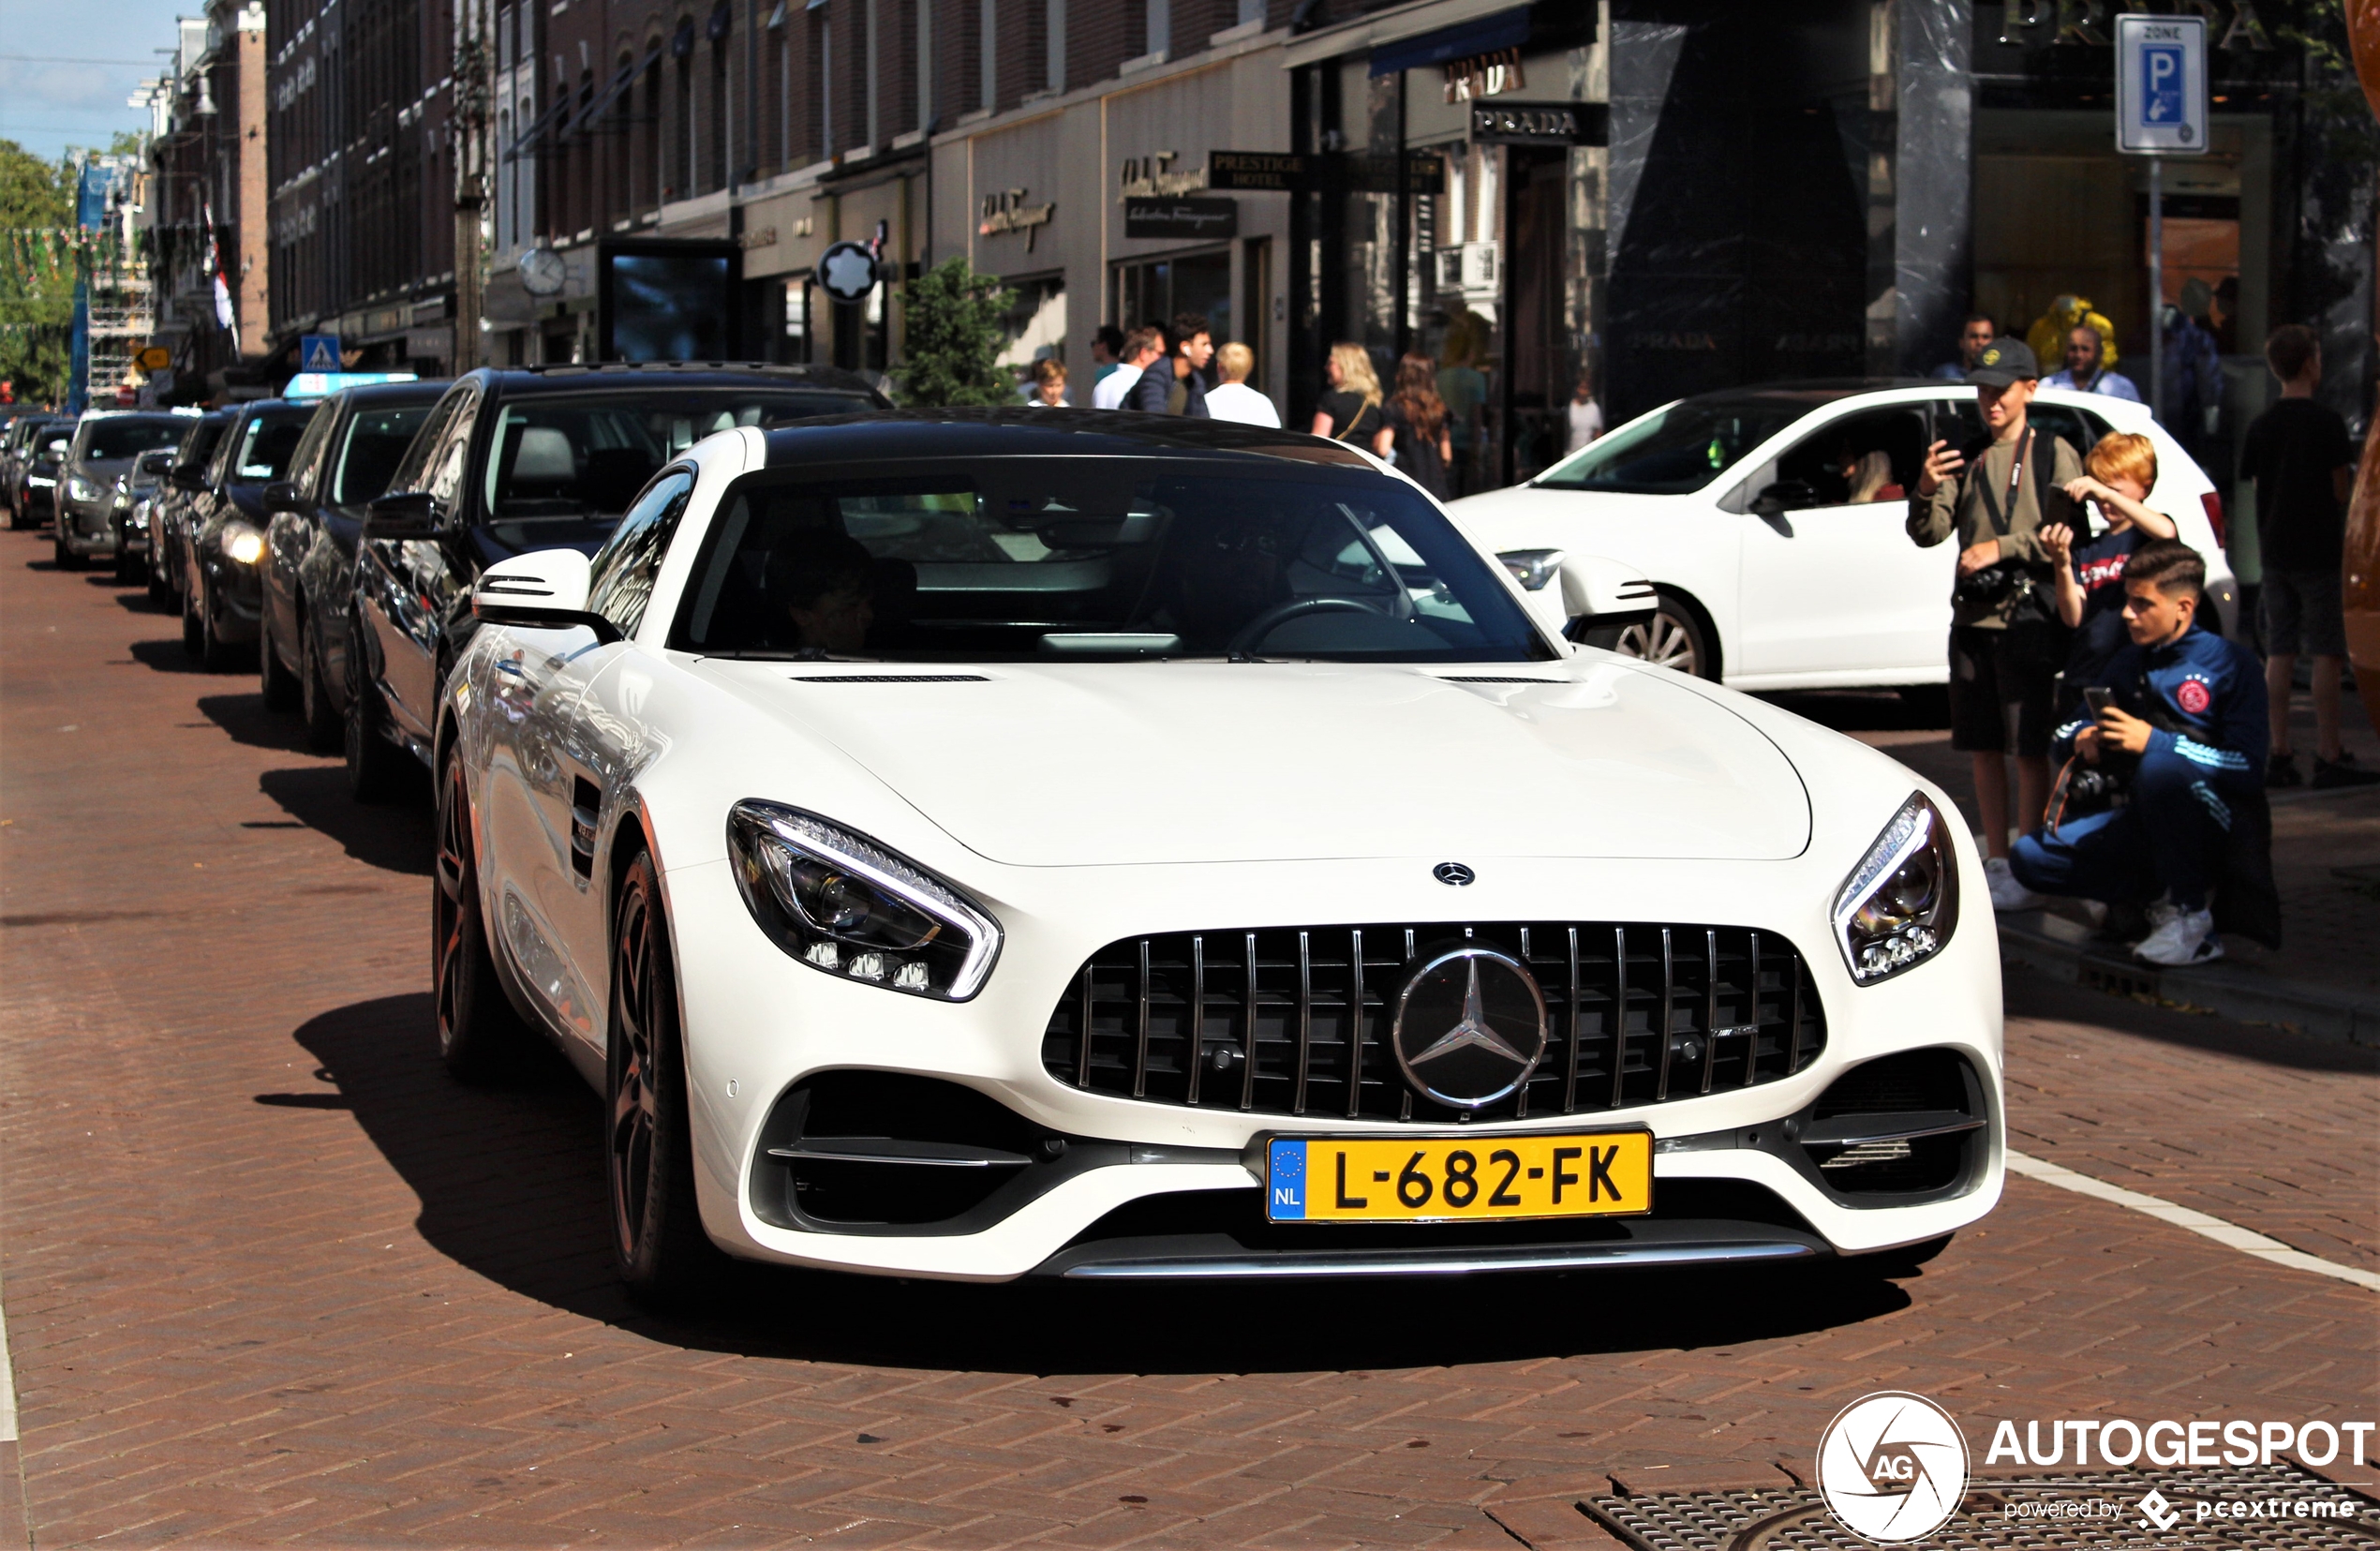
(1540,123)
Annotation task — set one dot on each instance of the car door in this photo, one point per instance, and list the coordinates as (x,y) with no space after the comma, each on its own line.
(1832,590)
(288,536)
(412,582)
(547,805)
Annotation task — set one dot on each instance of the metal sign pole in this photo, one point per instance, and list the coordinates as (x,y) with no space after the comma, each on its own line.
(2157,287)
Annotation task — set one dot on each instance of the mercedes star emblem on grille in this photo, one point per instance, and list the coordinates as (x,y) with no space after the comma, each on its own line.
(1471,1026)
(1453,874)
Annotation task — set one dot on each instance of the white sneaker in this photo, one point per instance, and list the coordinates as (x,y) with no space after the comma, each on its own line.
(2006,892)
(2183,937)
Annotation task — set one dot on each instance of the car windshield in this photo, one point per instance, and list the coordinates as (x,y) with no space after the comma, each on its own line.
(375,441)
(578,456)
(266,442)
(129,436)
(1019,559)
(1678,449)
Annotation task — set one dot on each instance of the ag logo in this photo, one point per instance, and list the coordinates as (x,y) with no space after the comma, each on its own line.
(2194,697)
(1893,1467)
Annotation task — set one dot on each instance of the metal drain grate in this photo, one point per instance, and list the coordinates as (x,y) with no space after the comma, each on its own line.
(2044,1513)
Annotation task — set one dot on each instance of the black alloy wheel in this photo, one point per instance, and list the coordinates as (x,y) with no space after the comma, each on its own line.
(323,723)
(216,654)
(280,686)
(373,773)
(193,633)
(478,1034)
(658,1243)
(128,569)
(66,559)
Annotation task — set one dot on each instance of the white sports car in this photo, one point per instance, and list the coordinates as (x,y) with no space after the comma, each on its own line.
(984,845)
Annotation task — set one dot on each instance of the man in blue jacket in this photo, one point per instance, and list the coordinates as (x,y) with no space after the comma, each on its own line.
(2188,714)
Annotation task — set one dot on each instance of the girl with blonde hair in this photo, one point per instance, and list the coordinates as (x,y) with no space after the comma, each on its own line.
(1350,411)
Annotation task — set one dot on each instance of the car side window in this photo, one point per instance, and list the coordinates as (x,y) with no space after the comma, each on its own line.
(1957,421)
(412,473)
(306,461)
(219,464)
(1858,460)
(620,582)
(449,459)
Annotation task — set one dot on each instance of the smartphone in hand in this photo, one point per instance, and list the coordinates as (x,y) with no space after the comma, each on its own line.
(2100,698)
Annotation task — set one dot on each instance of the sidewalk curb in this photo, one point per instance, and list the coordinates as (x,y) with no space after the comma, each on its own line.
(2039,942)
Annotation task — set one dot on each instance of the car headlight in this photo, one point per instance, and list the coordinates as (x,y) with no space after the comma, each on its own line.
(846,906)
(80,489)
(1898,907)
(1533,568)
(243,544)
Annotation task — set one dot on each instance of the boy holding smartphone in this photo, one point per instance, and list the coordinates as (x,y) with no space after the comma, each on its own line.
(2196,747)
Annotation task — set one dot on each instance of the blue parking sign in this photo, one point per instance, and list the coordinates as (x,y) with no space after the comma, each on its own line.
(2161,74)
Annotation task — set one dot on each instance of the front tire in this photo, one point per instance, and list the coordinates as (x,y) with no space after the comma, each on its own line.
(66,559)
(658,1243)
(373,774)
(193,633)
(280,686)
(129,572)
(478,1034)
(216,654)
(1674,637)
(323,726)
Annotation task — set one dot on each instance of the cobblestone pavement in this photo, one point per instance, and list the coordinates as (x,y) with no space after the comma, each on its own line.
(270,1277)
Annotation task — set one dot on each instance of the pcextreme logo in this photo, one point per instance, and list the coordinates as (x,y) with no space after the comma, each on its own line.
(1893,1467)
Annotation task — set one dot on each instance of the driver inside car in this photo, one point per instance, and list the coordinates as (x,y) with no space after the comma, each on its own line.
(825,583)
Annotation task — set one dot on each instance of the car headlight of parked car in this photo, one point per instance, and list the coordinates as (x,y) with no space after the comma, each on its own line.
(80,489)
(243,544)
(1533,568)
(1897,909)
(123,494)
(846,906)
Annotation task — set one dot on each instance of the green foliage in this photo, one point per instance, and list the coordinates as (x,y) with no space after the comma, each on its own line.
(954,335)
(37,277)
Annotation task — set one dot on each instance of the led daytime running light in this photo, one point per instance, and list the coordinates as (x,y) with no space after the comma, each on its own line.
(1881,930)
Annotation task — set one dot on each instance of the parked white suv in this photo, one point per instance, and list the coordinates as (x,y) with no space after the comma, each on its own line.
(1738,506)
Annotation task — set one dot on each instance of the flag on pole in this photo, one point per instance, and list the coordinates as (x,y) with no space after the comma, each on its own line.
(224,315)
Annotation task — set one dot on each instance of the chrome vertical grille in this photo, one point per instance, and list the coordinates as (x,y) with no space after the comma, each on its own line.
(1294,1021)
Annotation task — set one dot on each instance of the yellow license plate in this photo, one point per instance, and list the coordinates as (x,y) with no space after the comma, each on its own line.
(1458,1179)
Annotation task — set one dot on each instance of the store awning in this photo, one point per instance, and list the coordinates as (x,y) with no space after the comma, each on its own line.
(1505,30)
(539,125)
(622,78)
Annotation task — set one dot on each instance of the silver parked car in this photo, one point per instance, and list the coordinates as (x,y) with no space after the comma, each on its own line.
(98,467)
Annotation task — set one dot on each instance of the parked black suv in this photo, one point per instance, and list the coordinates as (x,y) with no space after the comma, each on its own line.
(512,460)
(351,449)
(171,508)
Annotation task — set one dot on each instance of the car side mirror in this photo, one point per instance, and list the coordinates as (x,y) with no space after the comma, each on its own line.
(182,476)
(406,514)
(1786,495)
(543,590)
(282,496)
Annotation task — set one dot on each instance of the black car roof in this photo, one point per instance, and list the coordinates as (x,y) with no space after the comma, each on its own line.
(526,382)
(1020,432)
(399,394)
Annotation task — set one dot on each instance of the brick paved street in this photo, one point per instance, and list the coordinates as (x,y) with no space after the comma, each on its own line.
(270,1277)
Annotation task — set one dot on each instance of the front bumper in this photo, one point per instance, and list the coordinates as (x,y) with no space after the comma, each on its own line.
(1149,1189)
(87,527)
(236,594)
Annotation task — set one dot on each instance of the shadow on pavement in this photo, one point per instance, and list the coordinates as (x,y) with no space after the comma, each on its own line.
(512,1187)
(166,655)
(396,839)
(245,719)
(2032,995)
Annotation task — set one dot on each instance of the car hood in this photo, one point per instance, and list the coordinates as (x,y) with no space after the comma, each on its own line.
(1082,765)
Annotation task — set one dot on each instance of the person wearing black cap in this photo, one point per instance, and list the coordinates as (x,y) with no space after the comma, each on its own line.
(1997,494)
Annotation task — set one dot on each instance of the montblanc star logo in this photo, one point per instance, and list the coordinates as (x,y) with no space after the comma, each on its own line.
(1473,1030)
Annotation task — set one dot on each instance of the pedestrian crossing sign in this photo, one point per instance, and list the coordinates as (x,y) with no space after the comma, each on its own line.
(319,352)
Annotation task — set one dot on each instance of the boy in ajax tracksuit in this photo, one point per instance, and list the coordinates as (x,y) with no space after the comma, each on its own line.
(2197,748)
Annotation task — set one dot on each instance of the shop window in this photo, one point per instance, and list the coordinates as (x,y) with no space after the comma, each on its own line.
(1154,291)
(1036,324)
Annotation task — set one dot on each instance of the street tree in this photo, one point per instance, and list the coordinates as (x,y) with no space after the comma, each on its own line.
(37,266)
(954,337)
